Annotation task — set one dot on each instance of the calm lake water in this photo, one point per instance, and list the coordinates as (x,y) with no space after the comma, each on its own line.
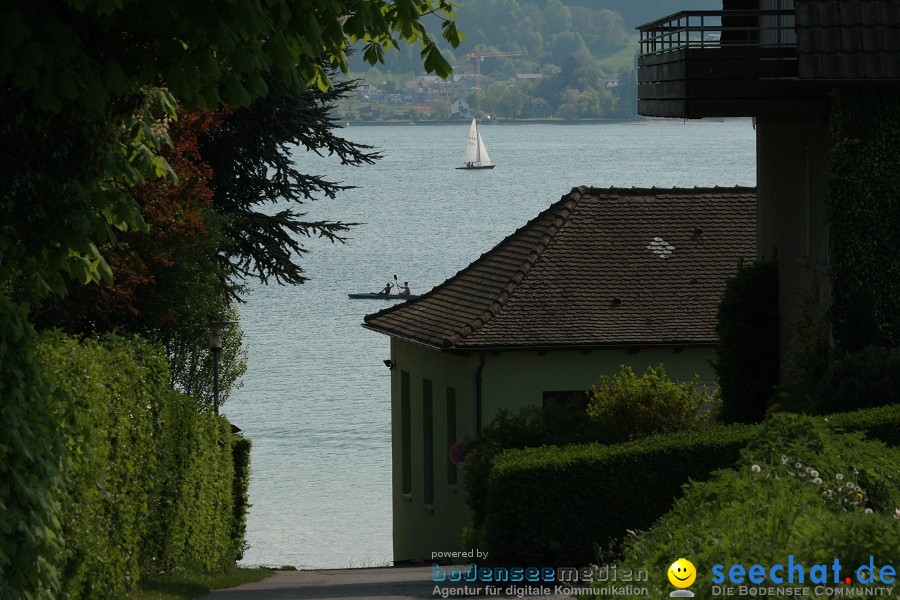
(316,396)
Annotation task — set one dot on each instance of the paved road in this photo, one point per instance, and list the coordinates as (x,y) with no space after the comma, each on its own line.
(407,583)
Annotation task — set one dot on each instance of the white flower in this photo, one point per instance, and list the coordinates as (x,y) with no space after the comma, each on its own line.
(817,481)
(897,514)
(808,469)
(868,511)
(814,473)
(755,469)
(839,476)
(850,485)
(784,459)
(798,465)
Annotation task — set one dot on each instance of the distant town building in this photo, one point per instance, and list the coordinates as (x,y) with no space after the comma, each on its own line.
(538,108)
(459,108)
(529,76)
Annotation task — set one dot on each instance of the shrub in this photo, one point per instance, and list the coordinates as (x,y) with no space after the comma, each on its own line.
(241,502)
(748,351)
(32,419)
(532,426)
(865,379)
(807,356)
(619,408)
(635,406)
(798,489)
(553,505)
(148,480)
(863,217)
(111,459)
(196,501)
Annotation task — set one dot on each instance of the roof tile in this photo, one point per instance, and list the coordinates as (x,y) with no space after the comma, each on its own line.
(848,39)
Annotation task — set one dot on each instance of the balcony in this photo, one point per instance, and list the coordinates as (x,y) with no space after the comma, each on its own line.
(723,63)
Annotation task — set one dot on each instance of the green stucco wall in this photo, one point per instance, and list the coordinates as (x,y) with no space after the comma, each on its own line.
(510,380)
(514,380)
(420,529)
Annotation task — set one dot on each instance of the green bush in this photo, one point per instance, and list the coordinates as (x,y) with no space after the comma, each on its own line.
(865,379)
(32,444)
(748,351)
(197,502)
(863,217)
(147,481)
(532,426)
(798,489)
(112,459)
(619,408)
(551,506)
(240,450)
(635,406)
(554,505)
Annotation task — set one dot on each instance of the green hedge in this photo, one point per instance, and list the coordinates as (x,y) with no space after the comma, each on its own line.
(144,483)
(864,216)
(239,490)
(787,494)
(554,506)
(31,444)
(747,356)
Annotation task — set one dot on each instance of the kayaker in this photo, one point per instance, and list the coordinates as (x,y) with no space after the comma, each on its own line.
(404,289)
(387,289)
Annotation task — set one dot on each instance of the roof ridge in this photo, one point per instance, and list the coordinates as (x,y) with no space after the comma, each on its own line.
(641,191)
(446,342)
(522,271)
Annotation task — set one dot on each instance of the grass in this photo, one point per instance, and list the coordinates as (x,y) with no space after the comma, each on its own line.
(187,585)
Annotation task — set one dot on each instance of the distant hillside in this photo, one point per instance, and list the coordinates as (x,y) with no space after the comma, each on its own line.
(637,12)
(567,59)
(547,33)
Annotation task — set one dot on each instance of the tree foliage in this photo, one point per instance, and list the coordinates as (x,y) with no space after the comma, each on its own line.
(747,356)
(87,86)
(251,154)
(864,219)
(97,75)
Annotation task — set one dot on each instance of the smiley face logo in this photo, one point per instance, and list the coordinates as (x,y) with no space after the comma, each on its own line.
(682,573)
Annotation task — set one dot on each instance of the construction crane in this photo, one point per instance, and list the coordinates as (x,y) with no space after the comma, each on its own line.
(479,56)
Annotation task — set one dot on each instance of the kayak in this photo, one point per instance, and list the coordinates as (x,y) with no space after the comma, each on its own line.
(374,296)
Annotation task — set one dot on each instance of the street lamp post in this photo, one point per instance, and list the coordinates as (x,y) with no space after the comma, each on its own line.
(216,331)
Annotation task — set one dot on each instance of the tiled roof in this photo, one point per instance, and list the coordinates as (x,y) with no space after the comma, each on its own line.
(600,267)
(848,39)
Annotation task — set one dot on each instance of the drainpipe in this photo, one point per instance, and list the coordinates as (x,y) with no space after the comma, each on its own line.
(478,408)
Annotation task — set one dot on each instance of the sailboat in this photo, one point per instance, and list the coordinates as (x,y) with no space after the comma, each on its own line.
(476,154)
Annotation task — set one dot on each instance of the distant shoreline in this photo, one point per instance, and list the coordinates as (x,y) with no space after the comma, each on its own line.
(396,123)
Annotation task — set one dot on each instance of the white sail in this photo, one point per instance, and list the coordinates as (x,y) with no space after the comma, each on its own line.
(472,146)
(483,156)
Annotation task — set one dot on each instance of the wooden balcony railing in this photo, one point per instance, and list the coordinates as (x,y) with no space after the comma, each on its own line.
(718,29)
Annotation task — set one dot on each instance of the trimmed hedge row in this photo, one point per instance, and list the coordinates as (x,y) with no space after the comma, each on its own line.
(552,506)
(147,480)
(30,468)
(240,493)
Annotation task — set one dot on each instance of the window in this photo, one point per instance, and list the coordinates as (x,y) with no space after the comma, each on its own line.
(405,433)
(428,439)
(451,433)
